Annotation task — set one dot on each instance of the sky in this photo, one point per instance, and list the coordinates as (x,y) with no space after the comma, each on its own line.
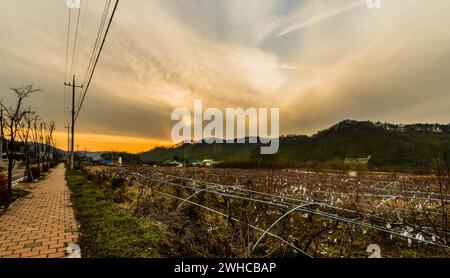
(319,61)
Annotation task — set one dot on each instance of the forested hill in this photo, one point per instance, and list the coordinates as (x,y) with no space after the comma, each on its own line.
(402,146)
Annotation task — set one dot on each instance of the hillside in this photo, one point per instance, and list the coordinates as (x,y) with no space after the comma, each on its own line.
(391,146)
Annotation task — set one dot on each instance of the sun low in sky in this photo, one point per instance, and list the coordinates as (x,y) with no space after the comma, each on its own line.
(319,61)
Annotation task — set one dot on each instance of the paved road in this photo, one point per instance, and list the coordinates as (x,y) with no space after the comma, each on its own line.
(18,172)
(42,224)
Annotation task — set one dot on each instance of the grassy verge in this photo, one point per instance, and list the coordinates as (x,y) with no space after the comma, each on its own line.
(107,231)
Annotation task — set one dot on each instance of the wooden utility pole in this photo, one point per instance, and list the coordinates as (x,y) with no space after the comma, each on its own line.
(72,153)
(68,137)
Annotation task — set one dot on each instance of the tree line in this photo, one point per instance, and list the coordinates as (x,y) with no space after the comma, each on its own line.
(25,137)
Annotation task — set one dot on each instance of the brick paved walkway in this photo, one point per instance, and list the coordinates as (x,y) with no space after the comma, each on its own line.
(41,224)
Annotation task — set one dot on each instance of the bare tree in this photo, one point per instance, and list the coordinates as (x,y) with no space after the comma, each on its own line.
(49,141)
(41,143)
(35,135)
(46,131)
(25,135)
(13,118)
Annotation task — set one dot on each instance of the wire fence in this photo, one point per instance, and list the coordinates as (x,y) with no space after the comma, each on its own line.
(279,201)
(159,182)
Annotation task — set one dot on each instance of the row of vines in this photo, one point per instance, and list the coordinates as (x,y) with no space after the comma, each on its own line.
(286,213)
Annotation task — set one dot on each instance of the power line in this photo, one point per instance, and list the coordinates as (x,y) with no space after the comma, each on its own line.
(74,52)
(75,41)
(85,7)
(82,27)
(67,46)
(67,61)
(98,57)
(95,46)
(97,40)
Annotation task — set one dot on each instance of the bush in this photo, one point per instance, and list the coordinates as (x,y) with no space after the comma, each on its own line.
(35,172)
(3,180)
(3,188)
(45,168)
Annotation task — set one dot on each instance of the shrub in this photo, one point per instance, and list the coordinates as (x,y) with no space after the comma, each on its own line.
(35,172)
(3,188)
(3,180)
(45,168)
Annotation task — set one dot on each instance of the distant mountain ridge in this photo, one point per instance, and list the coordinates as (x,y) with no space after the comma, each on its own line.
(435,128)
(412,146)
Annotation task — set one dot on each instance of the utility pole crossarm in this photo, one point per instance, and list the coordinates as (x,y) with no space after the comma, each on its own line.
(76,86)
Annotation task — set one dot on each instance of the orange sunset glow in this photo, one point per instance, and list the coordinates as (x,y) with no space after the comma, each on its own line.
(319,62)
(99,142)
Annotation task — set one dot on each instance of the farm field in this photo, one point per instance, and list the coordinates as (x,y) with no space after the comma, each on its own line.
(213,212)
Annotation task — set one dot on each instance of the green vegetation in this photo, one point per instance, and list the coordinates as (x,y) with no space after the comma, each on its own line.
(391,147)
(107,230)
(127,158)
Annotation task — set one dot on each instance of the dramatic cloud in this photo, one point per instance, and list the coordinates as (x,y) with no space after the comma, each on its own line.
(320,61)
